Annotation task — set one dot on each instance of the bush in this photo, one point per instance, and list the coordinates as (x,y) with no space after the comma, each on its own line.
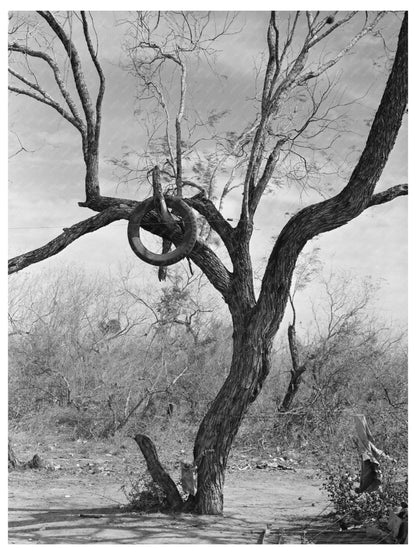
(341,484)
(144,495)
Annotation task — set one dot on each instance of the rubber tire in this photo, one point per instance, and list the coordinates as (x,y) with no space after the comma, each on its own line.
(179,208)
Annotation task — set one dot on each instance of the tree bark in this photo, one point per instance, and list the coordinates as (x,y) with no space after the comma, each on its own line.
(296,372)
(256,324)
(249,367)
(158,473)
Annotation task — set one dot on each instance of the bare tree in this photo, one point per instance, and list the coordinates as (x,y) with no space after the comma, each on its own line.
(256,318)
(345,325)
(306,270)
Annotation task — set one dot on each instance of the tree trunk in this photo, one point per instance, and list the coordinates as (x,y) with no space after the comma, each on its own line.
(291,391)
(296,371)
(158,473)
(249,367)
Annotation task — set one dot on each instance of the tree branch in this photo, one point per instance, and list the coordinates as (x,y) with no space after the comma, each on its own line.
(66,238)
(15,47)
(258,190)
(101,90)
(324,67)
(157,472)
(215,219)
(75,61)
(201,255)
(388,195)
(331,29)
(162,101)
(93,120)
(293,347)
(178,129)
(111,209)
(43,97)
(274,89)
(356,196)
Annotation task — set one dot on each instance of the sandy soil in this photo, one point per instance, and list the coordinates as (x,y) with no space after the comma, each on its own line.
(82,501)
(51,507)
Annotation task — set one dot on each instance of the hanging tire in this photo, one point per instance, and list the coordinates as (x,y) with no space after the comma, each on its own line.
(179,208)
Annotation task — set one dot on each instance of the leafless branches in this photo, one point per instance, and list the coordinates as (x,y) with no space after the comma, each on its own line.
(269,149)
(346,337)
(21,148)
(89,124)
(357,195)
(281,75)
(160,47)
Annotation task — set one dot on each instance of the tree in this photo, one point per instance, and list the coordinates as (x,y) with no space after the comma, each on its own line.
(291,69)
(341,366)
(344,308)
(306,270)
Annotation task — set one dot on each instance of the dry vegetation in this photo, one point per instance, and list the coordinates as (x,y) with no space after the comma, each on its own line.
(88,373)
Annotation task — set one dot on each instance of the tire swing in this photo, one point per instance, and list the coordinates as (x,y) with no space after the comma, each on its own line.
(187,221)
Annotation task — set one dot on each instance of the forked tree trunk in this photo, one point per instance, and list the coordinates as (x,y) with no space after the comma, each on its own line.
(249,367)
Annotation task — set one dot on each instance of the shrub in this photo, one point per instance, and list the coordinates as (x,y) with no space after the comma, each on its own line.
(144,495)
(341,484)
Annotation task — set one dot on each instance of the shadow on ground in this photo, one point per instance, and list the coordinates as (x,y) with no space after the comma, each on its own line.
(110,524)
(60,509)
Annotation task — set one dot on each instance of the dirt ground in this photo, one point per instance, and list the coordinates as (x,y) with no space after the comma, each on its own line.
(46,507)
(81,501)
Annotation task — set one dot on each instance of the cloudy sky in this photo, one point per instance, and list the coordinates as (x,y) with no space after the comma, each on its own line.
(46,180)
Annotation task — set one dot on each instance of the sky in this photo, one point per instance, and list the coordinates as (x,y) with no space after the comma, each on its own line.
(46,182)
